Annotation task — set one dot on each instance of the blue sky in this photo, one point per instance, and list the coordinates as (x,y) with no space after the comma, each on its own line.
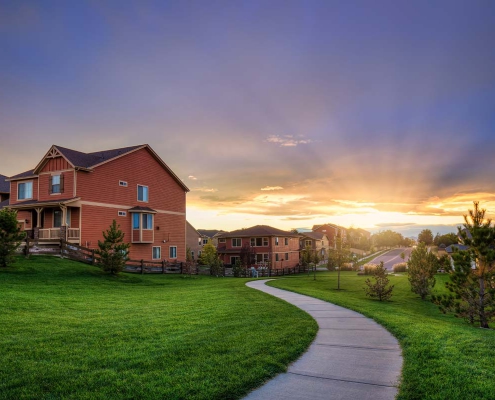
(375,114)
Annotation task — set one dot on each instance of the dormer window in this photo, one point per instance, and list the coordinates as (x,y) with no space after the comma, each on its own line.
(56,184)
(142,193)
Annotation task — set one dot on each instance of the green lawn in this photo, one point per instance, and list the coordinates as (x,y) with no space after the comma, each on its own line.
(68,331)
(444,358)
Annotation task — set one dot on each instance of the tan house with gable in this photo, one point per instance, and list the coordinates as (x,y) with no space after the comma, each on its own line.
(316,241)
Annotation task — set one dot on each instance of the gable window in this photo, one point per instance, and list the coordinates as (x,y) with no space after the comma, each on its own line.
(56,184)
(205,240)
(286,241)
(142,193)
(173,251)
(156,253)
(236,242)
(25,190)
(123,183)
(307,243)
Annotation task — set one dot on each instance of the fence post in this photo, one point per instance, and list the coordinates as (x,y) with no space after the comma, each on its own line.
(163,266)
(181,267)
(142,267)
(61,248)
(93,257)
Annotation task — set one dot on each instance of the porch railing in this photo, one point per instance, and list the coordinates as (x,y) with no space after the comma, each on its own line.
(73,233)
(54,233)
(51,233)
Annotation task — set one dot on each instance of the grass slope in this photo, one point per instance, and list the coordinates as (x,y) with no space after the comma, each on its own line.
(68,331)
(444,358)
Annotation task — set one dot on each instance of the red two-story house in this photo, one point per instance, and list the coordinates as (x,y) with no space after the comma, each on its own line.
(76,196)
(278,248)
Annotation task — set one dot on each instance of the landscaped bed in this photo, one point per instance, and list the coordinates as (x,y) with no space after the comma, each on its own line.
(69,331)
(444,357)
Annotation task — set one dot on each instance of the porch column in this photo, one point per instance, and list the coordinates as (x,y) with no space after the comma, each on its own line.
(38,220)
(63,228)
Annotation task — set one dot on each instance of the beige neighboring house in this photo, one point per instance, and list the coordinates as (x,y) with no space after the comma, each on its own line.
(194,241)
(331,230)
(316,241)
(210,234)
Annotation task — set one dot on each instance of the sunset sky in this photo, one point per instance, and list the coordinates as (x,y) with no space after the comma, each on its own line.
(376,114)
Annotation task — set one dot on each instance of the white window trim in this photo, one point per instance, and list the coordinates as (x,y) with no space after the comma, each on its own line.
(263,241)
(137,193)
(32,190)
(222,240)
(232,242)
(153,252)
(123,184)
(122,213)
(59,184)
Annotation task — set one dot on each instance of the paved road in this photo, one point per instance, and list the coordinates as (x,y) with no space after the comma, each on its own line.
(351,358)
(392,257)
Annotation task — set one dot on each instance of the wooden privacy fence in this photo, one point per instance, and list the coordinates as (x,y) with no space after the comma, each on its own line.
(153,267)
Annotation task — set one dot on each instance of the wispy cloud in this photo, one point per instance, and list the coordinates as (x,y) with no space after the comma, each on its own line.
(206,190)
(192,177)
(272,188)
(287,140)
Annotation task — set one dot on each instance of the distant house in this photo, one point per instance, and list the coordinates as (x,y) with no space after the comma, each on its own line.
(4,191)
(210,234)
(316,241)
(331,230)
(278,248)
(194,240)
(75,196)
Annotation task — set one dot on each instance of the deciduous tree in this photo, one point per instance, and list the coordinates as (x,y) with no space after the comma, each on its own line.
(426,237)
(10,236)
(422,266)
(339,256)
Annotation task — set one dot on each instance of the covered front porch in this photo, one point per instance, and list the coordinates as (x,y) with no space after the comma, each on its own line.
(50,221)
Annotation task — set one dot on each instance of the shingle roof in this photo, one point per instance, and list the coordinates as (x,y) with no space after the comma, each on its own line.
(141,209)
(4,203)
(451,248)
(23,174)
(209,232)
(48,202)
(88,160)
(258,230)
(313,235)
(4,185)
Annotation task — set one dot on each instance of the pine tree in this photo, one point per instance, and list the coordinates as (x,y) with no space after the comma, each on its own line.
(113,251)
(422,267)
(472,277)
(379,288)
(10,236)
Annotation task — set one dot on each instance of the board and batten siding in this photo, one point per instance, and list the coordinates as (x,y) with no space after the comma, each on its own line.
(56,164)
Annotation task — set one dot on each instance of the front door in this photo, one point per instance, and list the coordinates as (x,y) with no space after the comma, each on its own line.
(57,218)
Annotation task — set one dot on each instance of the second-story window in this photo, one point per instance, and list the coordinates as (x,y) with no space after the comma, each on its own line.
(25,191)
(142,193)
(276,241)
(307,243)
(236,242)
(286,241)
(57,184)
(142,221)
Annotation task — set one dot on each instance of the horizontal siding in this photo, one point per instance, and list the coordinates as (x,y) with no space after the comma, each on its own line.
(170,228)
(138,168)
(23,215)
(13,190)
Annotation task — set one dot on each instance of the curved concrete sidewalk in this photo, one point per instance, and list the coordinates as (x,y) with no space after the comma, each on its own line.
(352,356)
